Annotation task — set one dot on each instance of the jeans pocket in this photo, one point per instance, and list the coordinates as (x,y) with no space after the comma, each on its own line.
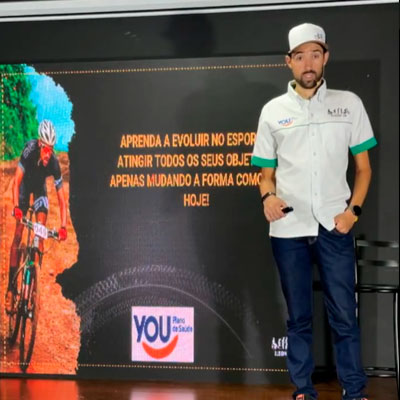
(335,232)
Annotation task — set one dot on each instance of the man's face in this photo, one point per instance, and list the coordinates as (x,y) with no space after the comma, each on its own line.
(45,153)
(307,63)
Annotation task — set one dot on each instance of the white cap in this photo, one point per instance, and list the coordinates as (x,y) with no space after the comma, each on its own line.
(305,33)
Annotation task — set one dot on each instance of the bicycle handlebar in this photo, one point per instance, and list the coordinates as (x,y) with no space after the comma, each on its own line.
(53,234)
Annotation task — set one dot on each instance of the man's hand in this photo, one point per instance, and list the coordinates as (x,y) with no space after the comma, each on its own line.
(345,221)
(17,213)
(62,233)
(273,208)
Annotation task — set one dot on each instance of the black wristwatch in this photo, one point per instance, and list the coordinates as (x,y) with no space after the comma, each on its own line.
(356,210)
(266,195)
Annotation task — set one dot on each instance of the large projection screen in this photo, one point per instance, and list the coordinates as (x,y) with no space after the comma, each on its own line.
(165,261)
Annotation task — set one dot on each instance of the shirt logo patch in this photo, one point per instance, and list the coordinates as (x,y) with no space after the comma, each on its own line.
(286,122)
(338,112)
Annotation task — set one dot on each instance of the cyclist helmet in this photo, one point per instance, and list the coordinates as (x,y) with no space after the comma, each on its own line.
(47,132)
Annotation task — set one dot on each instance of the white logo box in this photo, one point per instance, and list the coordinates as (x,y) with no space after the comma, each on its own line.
(163,334)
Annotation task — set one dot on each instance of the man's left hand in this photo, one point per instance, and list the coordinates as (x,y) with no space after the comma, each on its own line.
(345,221)
(62,233)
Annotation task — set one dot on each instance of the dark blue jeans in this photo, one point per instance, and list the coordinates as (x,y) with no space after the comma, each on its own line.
(334,254)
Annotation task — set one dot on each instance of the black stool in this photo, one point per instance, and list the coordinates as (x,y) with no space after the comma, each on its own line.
(362,263)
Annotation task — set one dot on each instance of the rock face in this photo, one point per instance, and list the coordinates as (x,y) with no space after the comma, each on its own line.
(57,341)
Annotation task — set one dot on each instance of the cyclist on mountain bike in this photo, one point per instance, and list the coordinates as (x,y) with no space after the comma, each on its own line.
(37,162)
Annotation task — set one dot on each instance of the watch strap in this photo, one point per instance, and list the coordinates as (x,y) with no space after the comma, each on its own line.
(266,195)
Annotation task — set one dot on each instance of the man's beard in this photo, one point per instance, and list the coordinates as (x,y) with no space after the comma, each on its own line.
(310,84)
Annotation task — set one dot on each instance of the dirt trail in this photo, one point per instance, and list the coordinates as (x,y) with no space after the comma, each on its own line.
(58,336)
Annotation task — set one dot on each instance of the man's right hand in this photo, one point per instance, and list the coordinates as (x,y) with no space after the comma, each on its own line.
(273,208)
(17,213)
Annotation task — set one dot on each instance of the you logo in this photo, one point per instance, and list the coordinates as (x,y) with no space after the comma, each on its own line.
(163,334)
(153,329)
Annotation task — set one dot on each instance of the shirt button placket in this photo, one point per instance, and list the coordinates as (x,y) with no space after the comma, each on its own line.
(314,164)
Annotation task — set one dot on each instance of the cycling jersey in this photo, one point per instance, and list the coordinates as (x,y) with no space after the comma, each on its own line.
(35,175)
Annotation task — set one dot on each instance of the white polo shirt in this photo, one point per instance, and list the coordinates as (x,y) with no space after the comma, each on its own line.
(308,142)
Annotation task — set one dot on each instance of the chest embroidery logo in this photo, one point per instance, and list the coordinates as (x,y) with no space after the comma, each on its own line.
(286,122)
(339,112)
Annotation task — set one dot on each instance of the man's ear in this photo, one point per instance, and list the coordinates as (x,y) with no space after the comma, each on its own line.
(288,61)
(326,57)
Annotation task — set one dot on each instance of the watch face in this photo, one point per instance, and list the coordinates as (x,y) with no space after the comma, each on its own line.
(357,210)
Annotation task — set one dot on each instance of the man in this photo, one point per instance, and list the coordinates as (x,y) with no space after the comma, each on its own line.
(302,146)
(37,162)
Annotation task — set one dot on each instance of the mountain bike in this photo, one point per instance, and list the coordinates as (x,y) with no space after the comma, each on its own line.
(24,314)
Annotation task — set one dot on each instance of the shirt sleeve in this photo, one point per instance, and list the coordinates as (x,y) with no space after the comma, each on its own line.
(362,137)
(57,173)
(264,151)
(26,156)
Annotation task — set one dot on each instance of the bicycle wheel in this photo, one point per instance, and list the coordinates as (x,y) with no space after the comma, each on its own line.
(29,314)
(14,318)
